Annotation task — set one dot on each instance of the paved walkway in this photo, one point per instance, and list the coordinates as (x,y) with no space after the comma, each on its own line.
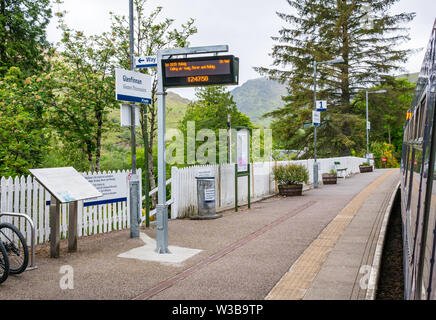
(242,255)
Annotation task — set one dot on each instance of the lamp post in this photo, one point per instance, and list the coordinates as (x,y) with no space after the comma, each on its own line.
(367,121)
(315,64)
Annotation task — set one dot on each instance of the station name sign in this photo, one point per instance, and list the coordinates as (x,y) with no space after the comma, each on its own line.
(200,71)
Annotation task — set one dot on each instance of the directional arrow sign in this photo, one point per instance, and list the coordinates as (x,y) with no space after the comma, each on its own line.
(321,105)
(132,86)
(146,62)
(316,118)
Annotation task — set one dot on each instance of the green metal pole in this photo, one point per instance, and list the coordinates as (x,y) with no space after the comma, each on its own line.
(249,194)
(236,187)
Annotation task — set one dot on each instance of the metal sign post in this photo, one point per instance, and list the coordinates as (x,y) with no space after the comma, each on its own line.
(162,206)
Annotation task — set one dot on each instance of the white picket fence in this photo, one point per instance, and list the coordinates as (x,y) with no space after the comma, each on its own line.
(26,195)
(184,184)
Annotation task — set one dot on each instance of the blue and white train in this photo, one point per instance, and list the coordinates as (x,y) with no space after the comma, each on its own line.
(418,190)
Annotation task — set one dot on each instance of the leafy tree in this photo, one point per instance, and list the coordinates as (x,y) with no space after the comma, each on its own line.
(384,150)
(85,91)
(23,41)
(364,35)
(23,132)
(387,111)
(151,34)
(210,111)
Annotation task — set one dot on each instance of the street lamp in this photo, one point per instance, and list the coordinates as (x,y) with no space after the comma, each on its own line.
(315,64)
(367,122)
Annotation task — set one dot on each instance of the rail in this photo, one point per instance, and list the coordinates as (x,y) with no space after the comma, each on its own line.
(32,236)
(169,202)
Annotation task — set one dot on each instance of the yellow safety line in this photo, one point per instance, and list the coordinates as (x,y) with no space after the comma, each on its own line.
(295,283)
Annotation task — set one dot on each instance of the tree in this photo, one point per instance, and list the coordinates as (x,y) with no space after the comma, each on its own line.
(23,121)
(387,111)
(364,35)
(23,41)
(210,111)
(150,36)
(85,91)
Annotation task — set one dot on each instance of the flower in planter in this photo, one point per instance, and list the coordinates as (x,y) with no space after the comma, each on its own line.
(291,174)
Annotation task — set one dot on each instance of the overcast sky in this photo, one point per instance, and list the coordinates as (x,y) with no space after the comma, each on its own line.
(245,25)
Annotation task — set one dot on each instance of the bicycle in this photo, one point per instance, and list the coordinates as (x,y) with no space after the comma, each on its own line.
(15,246)
(4,263)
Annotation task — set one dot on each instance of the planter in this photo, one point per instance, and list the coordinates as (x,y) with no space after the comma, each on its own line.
(328,178)
(291,190)
(364,169)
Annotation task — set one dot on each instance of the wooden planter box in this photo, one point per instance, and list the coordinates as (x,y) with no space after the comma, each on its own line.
(328,178)
(364,169)
(291,190)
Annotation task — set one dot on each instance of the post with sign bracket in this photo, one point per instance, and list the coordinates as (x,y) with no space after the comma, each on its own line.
(316,121)
(184,72)
(133,87)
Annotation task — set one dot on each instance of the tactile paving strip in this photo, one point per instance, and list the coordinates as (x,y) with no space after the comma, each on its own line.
(295,283)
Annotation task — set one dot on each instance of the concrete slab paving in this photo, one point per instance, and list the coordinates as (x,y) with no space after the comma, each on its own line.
(147,252)
(353,254)
(243,255)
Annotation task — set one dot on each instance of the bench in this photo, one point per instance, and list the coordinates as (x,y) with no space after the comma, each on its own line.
(342,172)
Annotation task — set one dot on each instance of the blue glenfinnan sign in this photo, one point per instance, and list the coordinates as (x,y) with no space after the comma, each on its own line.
(132,86)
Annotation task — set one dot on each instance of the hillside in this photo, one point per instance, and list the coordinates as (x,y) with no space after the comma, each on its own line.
(175,108)
(257,97)
(116,142)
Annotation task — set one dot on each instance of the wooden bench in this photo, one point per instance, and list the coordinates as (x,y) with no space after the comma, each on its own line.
(342,172)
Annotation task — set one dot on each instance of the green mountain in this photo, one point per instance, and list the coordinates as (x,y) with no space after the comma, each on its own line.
(257,97)
(175,109)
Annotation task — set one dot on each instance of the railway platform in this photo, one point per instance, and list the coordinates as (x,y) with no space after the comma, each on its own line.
(322,245)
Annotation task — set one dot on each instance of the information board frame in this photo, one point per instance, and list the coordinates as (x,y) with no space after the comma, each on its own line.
(48,178)
(204,77)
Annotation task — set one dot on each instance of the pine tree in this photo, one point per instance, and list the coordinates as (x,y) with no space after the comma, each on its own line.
(364,35)
(23,41)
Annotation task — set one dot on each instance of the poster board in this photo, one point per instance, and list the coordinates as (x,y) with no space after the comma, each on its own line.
(65,184)
(243,149)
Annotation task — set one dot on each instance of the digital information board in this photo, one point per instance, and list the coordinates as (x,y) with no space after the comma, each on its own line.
(200,71)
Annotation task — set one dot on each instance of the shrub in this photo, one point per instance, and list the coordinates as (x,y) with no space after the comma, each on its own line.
(291,174)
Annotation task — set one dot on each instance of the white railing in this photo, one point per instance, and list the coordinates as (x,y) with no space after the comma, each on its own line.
(169,202)
(26,195)
(184,185)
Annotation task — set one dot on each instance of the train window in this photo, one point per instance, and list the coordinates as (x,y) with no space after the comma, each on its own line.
(405,161)
(423,111)
(417,165)
(417,122)
(413,137)
(410,179)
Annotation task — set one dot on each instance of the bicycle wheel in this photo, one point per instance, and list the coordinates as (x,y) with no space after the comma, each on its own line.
(4,264)
(16,247)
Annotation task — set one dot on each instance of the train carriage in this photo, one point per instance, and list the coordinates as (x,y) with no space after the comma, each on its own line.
(418,192)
